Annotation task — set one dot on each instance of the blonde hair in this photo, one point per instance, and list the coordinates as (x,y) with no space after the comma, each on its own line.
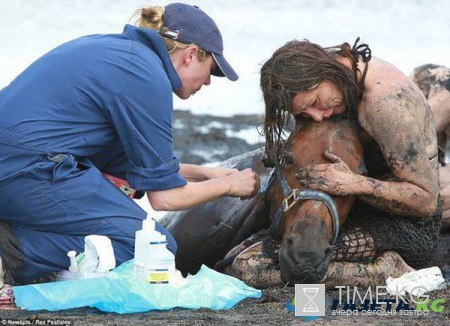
(153,18)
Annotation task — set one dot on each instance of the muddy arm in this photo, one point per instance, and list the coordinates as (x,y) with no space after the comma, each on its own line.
(394,121)
(397,129)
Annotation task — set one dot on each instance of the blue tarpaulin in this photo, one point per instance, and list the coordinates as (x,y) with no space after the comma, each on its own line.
(119,292)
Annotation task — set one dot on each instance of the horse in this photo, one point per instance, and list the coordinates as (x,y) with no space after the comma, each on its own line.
(308,222)
(303,224)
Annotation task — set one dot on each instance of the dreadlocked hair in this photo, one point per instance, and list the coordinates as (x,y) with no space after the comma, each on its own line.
(296,67)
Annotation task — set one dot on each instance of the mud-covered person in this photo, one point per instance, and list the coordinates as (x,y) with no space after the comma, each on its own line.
(434,82)
(397,201)
(104,103)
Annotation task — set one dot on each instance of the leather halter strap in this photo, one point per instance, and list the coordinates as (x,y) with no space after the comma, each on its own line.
(292,197)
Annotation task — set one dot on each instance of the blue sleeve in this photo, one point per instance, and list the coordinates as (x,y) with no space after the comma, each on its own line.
(141,111)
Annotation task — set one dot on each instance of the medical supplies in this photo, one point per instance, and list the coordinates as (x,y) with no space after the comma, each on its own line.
(97,259)
(153,262)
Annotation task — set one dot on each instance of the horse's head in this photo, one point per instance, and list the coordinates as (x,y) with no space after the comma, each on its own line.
(303,218)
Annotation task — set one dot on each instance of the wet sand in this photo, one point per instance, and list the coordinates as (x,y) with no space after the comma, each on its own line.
(270,309)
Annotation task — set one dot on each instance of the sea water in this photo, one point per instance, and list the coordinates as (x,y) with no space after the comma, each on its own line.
(402,32)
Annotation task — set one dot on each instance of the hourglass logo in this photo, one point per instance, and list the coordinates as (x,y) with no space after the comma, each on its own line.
(310,299)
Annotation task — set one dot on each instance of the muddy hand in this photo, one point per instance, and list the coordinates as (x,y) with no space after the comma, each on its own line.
(334,178)
(244,184)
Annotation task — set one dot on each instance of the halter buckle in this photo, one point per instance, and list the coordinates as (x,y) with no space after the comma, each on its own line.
(290,201)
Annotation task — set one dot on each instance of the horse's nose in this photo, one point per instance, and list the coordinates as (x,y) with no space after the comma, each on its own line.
(312,255)
(304,255)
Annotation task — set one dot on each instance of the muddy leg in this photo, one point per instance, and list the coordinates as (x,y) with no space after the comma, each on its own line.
(255,261)
(224,265)
(364,275)
(256,269)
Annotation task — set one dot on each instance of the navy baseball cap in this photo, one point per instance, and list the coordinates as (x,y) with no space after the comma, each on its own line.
(189,24)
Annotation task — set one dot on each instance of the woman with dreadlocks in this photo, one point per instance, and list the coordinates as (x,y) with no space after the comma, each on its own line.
(397,201)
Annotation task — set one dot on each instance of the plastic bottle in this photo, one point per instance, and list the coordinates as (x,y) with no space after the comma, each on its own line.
(73,261)
(153,262)
(96,260)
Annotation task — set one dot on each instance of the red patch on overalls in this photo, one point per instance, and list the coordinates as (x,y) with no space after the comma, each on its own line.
(123,185)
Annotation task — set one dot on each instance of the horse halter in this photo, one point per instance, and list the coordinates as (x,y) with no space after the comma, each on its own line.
(292,197)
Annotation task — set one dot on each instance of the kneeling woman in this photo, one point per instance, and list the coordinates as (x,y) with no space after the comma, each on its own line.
(103,104)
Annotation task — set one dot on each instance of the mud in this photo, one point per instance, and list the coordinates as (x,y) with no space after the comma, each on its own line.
(270,309)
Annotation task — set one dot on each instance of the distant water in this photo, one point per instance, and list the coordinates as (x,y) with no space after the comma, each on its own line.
(406,33)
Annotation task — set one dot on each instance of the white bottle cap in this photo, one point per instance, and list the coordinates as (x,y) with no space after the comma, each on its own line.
(73,261)
(148,224)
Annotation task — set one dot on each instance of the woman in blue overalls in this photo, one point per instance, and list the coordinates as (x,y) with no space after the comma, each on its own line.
(103,103)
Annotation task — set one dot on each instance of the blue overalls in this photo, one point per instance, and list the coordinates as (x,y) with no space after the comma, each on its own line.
(100,103)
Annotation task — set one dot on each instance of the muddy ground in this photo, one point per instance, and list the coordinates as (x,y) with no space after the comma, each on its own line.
(268,310)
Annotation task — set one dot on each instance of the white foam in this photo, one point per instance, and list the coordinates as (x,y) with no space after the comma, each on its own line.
(250,135)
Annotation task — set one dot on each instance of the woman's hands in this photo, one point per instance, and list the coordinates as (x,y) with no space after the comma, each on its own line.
(334,179)
(244,184)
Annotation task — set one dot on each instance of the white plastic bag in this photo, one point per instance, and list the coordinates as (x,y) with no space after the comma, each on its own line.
(417,282)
